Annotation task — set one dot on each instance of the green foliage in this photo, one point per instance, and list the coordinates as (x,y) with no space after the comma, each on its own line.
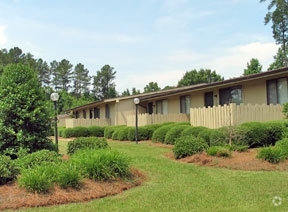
(76,132)
(202,76)
(152,86)
(270,154)
(68,176)
(274,132)
(253,67)
(193,130)
(86,143)
(24,115)
(160,133)
(103,84)
(174,133)
(188,145)
(254,134)
(96,131)
(38,158)
(109,130)
(122,134)
(39,179)
(218,137)
(101,164)
(283,146)
(219,151)
(205,134)
(8,169)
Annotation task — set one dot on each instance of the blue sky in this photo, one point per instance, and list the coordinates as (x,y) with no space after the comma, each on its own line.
(144,40)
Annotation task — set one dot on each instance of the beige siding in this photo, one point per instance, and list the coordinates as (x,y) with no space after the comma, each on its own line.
(255,93)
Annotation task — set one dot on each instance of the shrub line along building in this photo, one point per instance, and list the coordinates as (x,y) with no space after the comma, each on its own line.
(257,97)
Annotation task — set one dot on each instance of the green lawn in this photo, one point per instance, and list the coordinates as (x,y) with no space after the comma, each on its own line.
(174,186)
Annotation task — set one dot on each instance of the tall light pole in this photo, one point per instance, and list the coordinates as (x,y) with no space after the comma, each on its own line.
(136,102)
(54,97)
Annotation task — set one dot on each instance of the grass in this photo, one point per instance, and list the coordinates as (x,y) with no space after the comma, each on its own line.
(174,186)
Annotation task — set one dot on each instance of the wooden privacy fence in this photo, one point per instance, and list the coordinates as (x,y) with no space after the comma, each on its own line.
(227,115)
(148,119)
(70,123)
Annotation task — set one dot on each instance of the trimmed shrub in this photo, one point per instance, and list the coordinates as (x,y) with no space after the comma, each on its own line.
(101,164)
(160,133)
(254,134)
(239,148)
(270,154)
(109,130)
(122,134)
(283,146)
(188,145)
(68,176)
(174,133)
(8,169)
(39,179)
(96,131)
(116,132)
(218,137)
(274,132)
(193,130)
(205,134)
(38,158)
(131,134)
(86,143)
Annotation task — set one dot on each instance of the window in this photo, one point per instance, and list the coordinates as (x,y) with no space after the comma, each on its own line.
(162,107)
(76,114)
(185,104)
(90,113)
(107,111)
(96,113)
(84,114)
(277,91)
(231,95)
(208,99)
(150,107)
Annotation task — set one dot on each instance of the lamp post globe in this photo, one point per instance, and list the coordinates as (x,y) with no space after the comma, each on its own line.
(54,97)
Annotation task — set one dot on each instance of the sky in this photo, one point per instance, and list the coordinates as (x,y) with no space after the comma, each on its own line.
(144,40)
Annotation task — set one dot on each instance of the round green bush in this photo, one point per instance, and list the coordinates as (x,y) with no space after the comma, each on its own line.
(254,134)
(193,130)
(38,158)
(218,137)
(123,134)
(174,133)
(188,145)
(205,134)
(96,131)
(160,133)
(270,154)
(8,169)
(108,131)
(102,164)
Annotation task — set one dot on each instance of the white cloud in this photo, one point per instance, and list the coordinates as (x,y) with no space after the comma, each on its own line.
(3,37)
(233,61)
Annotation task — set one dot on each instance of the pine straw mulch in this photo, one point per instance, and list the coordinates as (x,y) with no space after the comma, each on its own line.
(14,197)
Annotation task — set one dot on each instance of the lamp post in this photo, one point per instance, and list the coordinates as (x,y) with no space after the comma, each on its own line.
(54,97)
(136,102)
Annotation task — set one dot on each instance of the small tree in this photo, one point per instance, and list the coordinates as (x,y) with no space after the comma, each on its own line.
(253,67)
(24,118)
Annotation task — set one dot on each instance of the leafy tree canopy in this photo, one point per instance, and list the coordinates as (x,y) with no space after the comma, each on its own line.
(253,67)
(202,76)
(152,86)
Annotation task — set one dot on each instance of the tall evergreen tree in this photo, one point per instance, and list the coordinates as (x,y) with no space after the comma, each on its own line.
(63,74)
(279,19)
(279,59)
(103,84)
(152,86)
(81,80)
